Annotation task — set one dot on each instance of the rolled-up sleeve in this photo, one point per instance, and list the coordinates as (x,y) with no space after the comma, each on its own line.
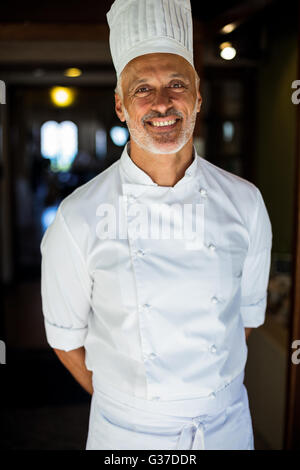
(256,270)
(65,287)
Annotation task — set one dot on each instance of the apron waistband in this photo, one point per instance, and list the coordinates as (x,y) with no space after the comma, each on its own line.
(189,407)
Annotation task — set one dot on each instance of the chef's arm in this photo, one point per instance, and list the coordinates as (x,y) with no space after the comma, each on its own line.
(247,332)
(74,361)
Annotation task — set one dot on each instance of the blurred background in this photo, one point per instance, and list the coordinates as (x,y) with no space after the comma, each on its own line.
(59,129)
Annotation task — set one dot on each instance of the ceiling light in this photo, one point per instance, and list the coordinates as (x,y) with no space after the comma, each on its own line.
(228,28)
(62,96)
(227,52)
(72,72)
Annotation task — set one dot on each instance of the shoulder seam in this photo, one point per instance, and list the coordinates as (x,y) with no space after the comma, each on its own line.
(226,172)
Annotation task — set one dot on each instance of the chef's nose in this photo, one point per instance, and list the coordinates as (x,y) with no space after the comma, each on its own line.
(161,101)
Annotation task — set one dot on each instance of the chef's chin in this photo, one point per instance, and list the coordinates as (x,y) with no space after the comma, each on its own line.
(162,145)
(161,148)
(167,148)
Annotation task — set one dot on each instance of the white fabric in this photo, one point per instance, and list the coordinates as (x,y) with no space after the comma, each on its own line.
(158,319)
(139,27)
(118,421)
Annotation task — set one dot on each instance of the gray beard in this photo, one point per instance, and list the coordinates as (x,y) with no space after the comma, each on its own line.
(148,143)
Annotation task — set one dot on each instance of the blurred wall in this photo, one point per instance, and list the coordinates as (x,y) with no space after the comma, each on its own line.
(276,135)
(266,370)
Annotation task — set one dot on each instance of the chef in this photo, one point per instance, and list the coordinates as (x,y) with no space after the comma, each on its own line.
(155,270)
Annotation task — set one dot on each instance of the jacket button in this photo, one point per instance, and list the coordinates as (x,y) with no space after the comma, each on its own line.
(213,349)
(214,300)
(152,355)
(146,307)
(212,247)
(203,192)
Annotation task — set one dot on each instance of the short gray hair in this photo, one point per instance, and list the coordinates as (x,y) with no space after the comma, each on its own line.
(118,88)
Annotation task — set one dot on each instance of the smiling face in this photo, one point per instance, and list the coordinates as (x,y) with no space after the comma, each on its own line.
(160,100)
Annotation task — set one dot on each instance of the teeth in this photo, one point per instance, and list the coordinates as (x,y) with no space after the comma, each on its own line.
(163,123)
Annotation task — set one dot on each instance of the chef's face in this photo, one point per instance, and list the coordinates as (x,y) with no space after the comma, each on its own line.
(160,100)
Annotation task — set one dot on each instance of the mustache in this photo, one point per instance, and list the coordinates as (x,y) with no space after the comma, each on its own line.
(170,112)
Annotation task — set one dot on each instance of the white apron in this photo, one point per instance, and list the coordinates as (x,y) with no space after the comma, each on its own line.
(219,422)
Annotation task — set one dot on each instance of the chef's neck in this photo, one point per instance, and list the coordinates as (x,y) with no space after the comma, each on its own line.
(163,169)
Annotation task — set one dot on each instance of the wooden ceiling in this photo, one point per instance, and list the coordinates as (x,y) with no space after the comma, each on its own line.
(87,20)
(94,11)
(75,33)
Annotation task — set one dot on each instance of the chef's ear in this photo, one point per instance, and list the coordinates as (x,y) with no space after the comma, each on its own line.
(199,101)
(119,107)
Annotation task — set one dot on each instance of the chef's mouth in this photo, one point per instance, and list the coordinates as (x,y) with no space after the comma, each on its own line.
(165,125)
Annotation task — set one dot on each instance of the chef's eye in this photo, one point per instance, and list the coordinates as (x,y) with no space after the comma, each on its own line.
(177,85)
(143,89)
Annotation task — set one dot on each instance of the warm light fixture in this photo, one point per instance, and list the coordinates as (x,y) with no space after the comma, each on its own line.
(227,52)
(62,96)
(228,28)
(72,72)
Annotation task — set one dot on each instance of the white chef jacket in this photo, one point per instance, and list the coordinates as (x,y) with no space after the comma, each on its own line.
(159,320)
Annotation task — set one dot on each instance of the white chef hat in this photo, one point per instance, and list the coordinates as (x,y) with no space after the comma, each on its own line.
(139,27)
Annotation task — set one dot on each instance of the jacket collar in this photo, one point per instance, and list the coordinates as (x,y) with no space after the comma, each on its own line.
(137,176)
